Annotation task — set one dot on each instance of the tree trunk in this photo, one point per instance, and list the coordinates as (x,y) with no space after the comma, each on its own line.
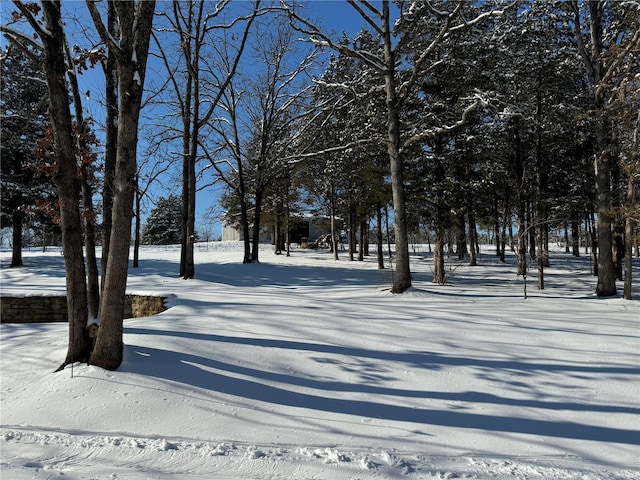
(402,272)
(628,240)
(439,274)
(66,180)
(16,238)
(363,240)
(522,240)
(246,230)
(136,235)
(93,283)
(606,286)
(82,145)
(461,238)
(352,231)
(506,223)
(592,56)
(111,138)
(334,234)
(256,226)
(135,26)
(594,242)
(496,224)
(379,241)
(473,239)
(575,238)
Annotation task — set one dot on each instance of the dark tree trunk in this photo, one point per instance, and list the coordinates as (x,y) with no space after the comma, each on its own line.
(111,138)
(380,253)
(16,238)
(473,239)
(522,240)
(352,232)
(67,183)
(246,232)
(594,243)
(256,226)
(136,235)
(363,240)
(575,238)
(461,240)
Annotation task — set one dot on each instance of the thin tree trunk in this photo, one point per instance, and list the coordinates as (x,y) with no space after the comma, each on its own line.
(256,226)
(136,235)
(111,138)
(379,240)
(628,234)
(246,231)
(594,243)
(439,274)
(473,239)
(93,288)
(332,213)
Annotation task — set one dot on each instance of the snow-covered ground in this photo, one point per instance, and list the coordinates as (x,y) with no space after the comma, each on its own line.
(305,368)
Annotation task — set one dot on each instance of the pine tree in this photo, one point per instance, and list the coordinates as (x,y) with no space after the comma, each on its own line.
(164,224)
(23,110)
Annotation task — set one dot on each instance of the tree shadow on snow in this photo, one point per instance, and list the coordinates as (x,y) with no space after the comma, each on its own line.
(206,373)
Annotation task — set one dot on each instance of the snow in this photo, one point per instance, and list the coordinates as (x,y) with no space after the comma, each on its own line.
(302,367)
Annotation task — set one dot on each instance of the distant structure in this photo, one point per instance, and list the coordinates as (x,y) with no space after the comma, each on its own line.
(301,230)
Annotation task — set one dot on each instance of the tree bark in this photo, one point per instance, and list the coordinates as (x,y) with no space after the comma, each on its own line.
(16,238)
(111,137)
(402,272)
(66,180)
(135,28)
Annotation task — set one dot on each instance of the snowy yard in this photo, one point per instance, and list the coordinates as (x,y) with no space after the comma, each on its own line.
(305,368)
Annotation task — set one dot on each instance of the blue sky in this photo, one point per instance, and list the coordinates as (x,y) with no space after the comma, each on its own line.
(335,16)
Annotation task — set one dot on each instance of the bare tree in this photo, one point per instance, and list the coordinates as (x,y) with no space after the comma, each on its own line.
(398,93)
(262,118)
(198,91)
(131,51)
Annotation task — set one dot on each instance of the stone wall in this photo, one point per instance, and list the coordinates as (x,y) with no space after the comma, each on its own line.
(38,309)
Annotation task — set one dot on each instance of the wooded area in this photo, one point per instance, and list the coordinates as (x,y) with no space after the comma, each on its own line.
(450,118)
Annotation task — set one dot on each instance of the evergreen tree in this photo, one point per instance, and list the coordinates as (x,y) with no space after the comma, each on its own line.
(23,110)
(164,225)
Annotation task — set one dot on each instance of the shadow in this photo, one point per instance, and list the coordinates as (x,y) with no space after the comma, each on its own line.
(287,275)
(427,360)
(196,371)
